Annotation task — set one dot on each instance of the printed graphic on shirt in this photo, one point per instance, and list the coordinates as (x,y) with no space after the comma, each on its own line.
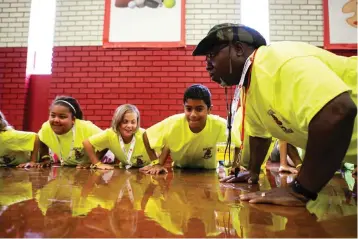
(139,160)
(79,153)
(208,154)
(7,159)
(279,122)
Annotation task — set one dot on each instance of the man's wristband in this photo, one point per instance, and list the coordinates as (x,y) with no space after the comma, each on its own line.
(298,188)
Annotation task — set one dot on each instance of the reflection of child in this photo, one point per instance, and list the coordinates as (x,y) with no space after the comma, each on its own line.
(114,204)
(16,146)
(188,205)
(15,187)
(62,189)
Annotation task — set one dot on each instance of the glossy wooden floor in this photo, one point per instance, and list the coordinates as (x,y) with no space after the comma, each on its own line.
(66,202)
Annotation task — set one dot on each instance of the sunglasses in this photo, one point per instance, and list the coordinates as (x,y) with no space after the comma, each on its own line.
(215,51)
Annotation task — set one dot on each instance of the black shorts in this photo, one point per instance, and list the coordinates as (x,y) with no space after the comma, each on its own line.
(275,154)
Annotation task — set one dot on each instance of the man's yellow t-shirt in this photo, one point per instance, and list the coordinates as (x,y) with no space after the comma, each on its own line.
(15,146)
(290,83)
(83,130)
(109,139)
(236,134)
(188,149)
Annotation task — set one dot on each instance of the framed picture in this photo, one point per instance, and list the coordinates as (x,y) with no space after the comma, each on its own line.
(340,24)
(144,23)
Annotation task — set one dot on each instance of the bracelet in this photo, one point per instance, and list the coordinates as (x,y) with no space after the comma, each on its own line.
(45,156)
(154,162)
(298,165)
(93,166)
(298,188)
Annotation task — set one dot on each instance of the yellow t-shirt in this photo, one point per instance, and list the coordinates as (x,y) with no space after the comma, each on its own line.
(15,188)
(290,83)
(332,203)
(174,207)
(60,189)
(236,133)
(107,195)
(188,149)
(109,139)
(15,146)
(83,130)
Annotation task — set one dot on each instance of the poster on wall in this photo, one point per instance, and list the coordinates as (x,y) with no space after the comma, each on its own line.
(144,23)
(340,24)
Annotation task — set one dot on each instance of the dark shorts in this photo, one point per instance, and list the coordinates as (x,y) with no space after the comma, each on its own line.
(275,154)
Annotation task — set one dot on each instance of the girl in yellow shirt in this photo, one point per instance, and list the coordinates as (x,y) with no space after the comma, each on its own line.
(16,147)
(191,138)
(62,135)
(124,139)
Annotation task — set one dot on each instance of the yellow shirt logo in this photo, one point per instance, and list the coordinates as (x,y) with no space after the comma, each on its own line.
(207,153)
(279,123)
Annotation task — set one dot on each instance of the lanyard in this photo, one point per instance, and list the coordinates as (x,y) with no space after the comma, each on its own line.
(130,151)
(130,191)
(62,160)
(239,88)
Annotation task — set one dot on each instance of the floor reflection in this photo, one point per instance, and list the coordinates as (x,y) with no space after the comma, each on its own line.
(67,202)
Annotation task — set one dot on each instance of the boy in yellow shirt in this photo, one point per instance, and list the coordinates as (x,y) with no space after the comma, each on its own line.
(191,137)
(124,139)
(62,135)
(16,146)
(294,92)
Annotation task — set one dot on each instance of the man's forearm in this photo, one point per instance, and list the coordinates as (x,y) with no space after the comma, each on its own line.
(258,150)
(329,136)
(237,159)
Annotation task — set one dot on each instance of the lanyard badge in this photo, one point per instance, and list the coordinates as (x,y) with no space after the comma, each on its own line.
(238,89)
(62,159)
(128,154)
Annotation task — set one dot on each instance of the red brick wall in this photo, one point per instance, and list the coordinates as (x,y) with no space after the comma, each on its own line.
(13,85)
(152,79)
(102,79)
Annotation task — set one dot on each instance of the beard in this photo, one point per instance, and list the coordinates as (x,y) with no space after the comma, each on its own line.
(229,80)
(232,77)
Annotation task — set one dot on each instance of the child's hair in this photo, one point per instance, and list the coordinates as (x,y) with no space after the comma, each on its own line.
(119,114)
(198,92)
(4,125)
(71,103)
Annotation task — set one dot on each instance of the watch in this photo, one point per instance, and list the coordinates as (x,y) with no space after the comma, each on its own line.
(298,188)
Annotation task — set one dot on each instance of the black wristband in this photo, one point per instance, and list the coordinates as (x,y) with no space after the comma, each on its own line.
(298,188)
